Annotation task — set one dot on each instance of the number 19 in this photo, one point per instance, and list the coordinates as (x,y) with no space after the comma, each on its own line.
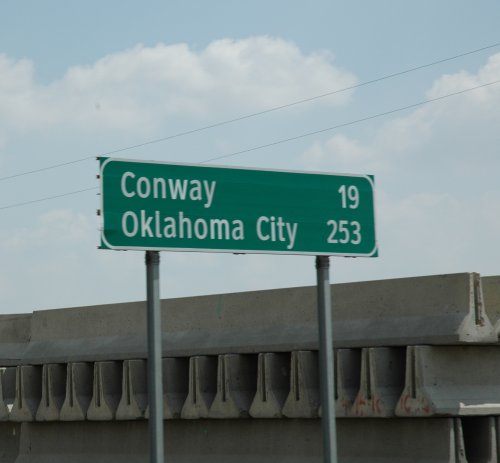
(349,196)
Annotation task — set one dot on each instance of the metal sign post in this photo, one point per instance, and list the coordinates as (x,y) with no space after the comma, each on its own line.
(155,386)
(326,360)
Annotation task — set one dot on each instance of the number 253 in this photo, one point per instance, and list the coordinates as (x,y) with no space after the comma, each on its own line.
(344,231)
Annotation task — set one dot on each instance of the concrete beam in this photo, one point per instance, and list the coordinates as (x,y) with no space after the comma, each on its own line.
(28,393)
(53,392)
(15,334)
(491,292)
(236,386)
(202,387)
(7,391)
(401,440)
(79,378)
(175,387)
(134,398)
(451,381)
(273,385)
(303,399)
(106,391)
(444,309)
(9,442)
(480,439)
(369,440)
(347,380)
(382,381)
(437,382)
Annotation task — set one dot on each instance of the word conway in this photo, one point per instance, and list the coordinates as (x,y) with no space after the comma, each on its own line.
(168,188)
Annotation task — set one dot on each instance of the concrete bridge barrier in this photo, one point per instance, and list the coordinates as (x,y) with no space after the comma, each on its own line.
(417,377)
(451,381)
(444,309)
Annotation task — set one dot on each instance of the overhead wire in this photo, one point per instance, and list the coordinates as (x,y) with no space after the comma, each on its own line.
(41,169)
(285,140)
(39,200)
(255,114)
(346,124)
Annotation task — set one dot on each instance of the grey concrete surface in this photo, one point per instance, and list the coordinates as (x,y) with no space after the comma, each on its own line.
(7,391)
(303,399)
(389,440)
(371,382)
(106,391)
(175,386)
(4,411)
(186,442)
(497,436)
(480,439)
(236,386)
(15,333)
(451,381)
(79,382)
(53,392)
(491,292)
(413,440)
(28,393)
(443,309)
(252,355)
(9,442)
(273,385)
(202,387)
(382,381)
(134,392)
(347,380)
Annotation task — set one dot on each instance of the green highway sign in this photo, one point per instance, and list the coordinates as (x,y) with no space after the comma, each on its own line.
(179,207)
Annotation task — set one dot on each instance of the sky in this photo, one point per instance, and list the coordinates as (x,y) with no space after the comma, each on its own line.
(82,79)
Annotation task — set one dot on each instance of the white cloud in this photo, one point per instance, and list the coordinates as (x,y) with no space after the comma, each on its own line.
(21,101)
(336,153)
(459,81)
(137,88)
(466,124)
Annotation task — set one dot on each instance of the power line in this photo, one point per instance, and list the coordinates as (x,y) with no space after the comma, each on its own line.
(259,113)
(39,200)
(305,100)
(345,124)
(53,166)
(285,140)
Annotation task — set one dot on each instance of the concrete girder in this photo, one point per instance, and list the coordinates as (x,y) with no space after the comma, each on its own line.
(443,309)
(451,381)
(273,385)
(382,381)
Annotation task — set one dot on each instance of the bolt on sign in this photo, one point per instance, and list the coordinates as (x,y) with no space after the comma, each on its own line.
(180,207)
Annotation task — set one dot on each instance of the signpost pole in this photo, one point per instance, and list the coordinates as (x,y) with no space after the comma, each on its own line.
(155,386)
(326,360)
